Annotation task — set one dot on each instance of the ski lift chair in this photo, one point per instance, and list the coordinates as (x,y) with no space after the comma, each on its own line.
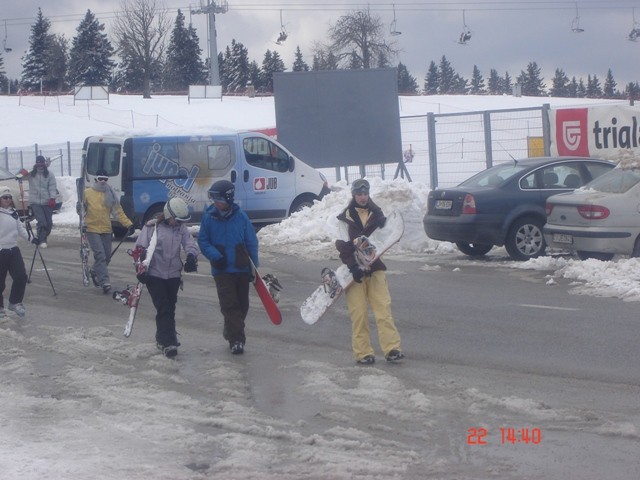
(282,37)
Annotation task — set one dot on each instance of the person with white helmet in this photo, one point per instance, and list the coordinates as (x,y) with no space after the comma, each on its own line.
(164,274)
(228,240)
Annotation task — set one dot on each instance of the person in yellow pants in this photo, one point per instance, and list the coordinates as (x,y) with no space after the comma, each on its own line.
(361,217)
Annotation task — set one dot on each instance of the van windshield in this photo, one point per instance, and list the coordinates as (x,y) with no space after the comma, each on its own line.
(103,156)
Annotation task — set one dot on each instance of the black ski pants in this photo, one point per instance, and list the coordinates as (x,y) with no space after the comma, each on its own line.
(11,261)
(233,295)
(164,294)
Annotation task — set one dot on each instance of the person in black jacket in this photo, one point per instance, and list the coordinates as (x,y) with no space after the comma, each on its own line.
(361,217)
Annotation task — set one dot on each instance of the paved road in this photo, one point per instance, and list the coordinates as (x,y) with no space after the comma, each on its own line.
(489,349)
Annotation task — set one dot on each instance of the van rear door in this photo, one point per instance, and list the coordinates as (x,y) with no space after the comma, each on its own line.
(266,178)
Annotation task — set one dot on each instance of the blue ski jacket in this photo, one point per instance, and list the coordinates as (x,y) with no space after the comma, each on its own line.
(232,237)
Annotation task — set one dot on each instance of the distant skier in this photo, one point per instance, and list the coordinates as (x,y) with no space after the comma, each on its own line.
(227,238)
(361,217)
(163,277)
(99,201)
(42,197)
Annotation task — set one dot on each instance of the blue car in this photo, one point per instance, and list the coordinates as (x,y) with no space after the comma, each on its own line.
(505,204)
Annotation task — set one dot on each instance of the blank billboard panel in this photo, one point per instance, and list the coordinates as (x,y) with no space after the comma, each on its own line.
(333,118)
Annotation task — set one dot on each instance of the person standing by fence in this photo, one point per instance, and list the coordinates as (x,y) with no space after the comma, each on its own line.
(42,198)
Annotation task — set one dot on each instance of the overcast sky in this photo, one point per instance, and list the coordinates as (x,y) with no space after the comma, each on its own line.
(506,35)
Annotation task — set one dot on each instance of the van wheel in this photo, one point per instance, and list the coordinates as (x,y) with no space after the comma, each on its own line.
(152,212)
(300,203)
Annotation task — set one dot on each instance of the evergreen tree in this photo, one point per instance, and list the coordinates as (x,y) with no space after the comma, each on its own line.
(383,59)
(237,67)
(183,65)
(407,84)
(477,82)
(632,91)
(255,76)
(560,84)
(271,64)
(507,85)
(355,62)
(34,63)
(224,81)
(57,61)
(581,91)
(446,77)
(4,81)
(431,80)
(594,90)
(609,90)
(459,85)
(572,88)
(90,60)
(299,65)
(494,84)
(531,82)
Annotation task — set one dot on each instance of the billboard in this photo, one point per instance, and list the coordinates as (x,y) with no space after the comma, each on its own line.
(601,131)
(333,118)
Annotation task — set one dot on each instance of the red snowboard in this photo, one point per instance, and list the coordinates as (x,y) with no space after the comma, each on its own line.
(270,305)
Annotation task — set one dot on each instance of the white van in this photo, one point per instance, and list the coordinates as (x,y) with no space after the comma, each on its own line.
(270,182)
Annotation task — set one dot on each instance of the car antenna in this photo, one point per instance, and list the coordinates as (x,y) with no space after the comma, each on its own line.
(515,162)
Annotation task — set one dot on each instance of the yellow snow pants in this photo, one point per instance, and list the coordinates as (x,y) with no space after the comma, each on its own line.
(372,291)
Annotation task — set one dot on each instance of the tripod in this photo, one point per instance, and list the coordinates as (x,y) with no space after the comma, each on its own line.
(33,260)
(27,223)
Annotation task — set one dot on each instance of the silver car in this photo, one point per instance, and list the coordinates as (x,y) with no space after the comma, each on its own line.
(599,220)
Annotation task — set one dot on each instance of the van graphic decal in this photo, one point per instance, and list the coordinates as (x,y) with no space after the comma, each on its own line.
(162,166)
(261,184)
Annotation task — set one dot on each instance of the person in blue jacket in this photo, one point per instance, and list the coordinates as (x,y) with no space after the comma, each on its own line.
(227,238)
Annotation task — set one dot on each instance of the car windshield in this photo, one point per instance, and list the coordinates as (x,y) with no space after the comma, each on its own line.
(618,180)
(493,176)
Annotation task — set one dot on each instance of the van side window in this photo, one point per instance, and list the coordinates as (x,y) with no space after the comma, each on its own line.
(219,157)
(262,153)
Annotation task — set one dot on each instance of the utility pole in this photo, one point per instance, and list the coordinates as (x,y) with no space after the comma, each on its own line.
(211,8)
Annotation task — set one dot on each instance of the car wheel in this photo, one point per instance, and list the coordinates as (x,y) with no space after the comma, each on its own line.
(305,201)
(525,239)
(605,257)
(473,249)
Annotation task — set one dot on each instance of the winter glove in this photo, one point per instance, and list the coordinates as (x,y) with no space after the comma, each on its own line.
(382,222)
(131,230)
(220,264)
(357,273)
(142,276)
(191,265)
(35,241)
(51,203)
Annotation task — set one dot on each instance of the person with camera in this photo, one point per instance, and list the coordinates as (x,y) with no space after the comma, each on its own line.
(99,201)
(11,260)
(164,274)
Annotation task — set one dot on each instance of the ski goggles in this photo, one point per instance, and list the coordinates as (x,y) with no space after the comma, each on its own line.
(102,179)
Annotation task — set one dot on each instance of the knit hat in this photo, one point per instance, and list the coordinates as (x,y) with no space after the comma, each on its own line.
(41,159)
(5,190)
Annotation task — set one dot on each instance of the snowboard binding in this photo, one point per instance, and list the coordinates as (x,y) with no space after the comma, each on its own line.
(274,286)
(330,281)
(365,251)
(124,296)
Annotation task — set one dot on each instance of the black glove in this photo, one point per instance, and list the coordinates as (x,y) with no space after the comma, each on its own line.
(142,277)
(357,273)
(35,241)
(131,230)
(191,265)
(220,264)
(382,222)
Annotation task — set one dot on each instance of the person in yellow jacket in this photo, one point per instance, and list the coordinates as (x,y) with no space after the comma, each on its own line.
(99,201)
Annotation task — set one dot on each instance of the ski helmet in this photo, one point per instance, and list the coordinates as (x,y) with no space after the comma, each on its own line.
(222,191)
(360,186)
(178,209)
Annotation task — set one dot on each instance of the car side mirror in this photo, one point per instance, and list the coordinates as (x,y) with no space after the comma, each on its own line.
(292,163)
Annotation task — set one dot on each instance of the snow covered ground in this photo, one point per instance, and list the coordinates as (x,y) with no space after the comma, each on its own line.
(110,409)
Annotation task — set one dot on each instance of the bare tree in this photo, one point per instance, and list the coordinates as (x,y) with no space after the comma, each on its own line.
(360,35)
(140,30)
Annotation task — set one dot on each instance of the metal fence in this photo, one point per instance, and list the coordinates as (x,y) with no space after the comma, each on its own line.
(438,149)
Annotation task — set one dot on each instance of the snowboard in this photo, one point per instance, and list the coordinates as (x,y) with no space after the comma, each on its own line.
(84,243)
(267,288)
(130,296)
(334,282)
